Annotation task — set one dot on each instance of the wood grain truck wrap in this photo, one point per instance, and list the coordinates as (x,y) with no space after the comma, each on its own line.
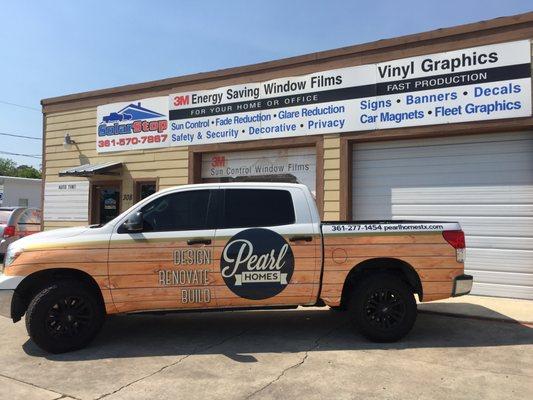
(229,246)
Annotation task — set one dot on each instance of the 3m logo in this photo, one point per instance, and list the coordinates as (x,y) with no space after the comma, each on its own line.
(181,100)
(218,161)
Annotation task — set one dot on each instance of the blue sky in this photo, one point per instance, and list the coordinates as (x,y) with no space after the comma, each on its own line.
(52,48)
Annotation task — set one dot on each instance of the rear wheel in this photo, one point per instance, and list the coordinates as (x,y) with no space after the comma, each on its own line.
(64,316)
(383,308)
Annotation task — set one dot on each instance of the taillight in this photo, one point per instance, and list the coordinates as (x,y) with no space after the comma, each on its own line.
(457,240)
(9,231)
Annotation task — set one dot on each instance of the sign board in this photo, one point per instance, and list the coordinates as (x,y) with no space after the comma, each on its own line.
(479,83)
(66,201)
(141,124)
(299,163)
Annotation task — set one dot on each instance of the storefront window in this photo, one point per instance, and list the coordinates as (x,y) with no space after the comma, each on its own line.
(145,189)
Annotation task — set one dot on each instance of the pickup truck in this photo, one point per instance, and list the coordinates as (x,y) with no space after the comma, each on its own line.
(227,247)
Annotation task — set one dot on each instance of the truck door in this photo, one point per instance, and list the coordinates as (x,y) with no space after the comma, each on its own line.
(266,247)
(169,264)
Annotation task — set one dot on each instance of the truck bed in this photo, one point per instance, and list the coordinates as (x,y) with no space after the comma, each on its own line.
(417,246)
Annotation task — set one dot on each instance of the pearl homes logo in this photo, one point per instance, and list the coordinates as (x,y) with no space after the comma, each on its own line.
(257,264)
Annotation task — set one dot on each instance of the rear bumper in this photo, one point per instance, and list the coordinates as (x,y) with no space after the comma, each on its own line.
(462,285)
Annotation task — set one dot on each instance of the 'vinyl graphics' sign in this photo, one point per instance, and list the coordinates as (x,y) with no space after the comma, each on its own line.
(480,83)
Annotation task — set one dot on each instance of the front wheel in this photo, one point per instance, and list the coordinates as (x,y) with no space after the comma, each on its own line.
(64,316)
(383,308)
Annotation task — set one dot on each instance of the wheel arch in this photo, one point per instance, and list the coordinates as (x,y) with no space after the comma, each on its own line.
(396,266)
(32,283)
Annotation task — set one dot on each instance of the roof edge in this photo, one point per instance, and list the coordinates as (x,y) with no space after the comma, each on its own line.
(19,178)
(226,73)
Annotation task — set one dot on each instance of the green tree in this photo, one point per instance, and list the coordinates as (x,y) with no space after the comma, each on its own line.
(27,171)
(7,167)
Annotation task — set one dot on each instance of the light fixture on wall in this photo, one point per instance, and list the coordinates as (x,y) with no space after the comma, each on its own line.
(68,142)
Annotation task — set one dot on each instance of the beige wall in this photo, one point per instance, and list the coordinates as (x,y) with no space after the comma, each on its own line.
(169,166)
(332,169)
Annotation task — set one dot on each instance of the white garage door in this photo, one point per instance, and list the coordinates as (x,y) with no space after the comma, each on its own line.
(483,181)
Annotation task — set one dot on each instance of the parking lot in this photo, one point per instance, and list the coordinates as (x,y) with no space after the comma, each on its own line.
(306,353)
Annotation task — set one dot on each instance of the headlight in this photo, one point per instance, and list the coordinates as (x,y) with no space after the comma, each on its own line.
(11,254)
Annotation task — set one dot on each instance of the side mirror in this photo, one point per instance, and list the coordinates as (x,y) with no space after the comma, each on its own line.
(134,223)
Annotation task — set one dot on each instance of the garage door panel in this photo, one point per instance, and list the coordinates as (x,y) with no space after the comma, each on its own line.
(498,226)
(495,260)
(460,140)
(422,177)
(483,181)
(515,165)
(499,242)
(485,210)
(500,290)
(482,194)
(505,278)
(501,194)
(439,154)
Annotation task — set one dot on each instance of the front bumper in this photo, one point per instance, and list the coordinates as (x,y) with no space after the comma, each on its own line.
(462,285)
(8,284)
(6,299)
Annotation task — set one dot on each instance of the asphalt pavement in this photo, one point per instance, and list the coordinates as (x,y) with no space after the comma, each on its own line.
(305,353)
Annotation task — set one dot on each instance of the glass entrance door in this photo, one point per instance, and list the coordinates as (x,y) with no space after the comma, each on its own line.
(106,203)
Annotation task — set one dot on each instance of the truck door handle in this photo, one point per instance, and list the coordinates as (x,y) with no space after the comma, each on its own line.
(192,242)
(301,239)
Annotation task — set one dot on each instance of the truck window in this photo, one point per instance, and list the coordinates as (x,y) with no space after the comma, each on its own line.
(257,207)
(180,211)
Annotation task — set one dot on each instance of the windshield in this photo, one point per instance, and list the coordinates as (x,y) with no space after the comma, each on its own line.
(4,216)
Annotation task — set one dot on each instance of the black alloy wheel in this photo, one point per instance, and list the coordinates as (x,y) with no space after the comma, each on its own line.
(70,316)
(382,307)
(65,315)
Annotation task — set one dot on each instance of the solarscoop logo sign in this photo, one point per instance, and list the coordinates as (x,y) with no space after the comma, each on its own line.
(257,264)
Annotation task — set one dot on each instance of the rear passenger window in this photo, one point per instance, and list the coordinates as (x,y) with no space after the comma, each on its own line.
(257,207)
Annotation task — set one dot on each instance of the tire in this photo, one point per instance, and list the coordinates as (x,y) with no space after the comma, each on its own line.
(383,308)
(64,316)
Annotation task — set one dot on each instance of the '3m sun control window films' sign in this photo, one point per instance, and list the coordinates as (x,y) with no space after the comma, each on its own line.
(297,165)
(140,124)
(479,83)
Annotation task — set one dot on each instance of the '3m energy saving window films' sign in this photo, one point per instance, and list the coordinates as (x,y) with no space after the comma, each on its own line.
(480,83)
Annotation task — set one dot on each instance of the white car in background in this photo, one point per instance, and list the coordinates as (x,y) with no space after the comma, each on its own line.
(17,222)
